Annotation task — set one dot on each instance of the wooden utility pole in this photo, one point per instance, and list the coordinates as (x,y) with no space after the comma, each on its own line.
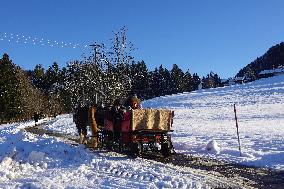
(237,129)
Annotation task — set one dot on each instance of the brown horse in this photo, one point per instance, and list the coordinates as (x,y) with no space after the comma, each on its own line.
(83,117)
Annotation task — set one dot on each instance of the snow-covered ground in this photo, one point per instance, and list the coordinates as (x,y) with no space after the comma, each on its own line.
(208,115)
(33,161)
(204,125)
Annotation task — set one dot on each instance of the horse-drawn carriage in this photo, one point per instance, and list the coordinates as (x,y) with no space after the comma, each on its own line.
(140,131)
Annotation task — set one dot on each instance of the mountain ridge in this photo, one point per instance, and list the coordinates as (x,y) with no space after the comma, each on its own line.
(272,59)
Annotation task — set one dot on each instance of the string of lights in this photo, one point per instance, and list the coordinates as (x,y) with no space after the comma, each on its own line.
(28,40)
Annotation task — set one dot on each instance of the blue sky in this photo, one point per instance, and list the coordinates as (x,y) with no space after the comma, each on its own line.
(202,35)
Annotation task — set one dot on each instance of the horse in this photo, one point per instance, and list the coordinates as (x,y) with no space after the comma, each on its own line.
(83,117)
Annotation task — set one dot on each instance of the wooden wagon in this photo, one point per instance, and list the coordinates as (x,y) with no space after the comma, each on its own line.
(140,131)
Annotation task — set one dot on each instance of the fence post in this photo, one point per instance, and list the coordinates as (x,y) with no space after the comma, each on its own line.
(237,129)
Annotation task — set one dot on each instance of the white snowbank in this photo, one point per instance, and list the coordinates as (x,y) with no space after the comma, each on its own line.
(213,147)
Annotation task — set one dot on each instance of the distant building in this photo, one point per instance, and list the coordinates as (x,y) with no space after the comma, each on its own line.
(228,82)
(223,81)
(240,80)
(235,80)
(271,73)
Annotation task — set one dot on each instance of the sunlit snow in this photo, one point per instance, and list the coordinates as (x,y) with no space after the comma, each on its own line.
(204,125)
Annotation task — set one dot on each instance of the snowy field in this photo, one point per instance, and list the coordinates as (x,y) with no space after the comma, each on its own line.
(201,117)
(208,115)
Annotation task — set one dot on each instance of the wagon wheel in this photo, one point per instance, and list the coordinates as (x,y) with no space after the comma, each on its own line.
(109,140)
(135,149)
(166,149)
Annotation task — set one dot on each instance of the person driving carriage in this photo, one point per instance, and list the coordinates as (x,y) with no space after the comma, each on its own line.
(133,102)
(117,111)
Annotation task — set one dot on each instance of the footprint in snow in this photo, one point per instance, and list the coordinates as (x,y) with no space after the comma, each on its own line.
(123,174)
(140,178)
(135,177)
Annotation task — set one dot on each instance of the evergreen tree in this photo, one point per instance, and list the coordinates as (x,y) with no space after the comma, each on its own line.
(39,77)
(196,81)
(83,85)
(156,80)
(177,78)
(217,80)
(73,86)
(188,83)
(9,100)
(160,82)
(54,82)
(52,77)
(212,80)
(251,74)
(18,98)
(167,84)
(140,80)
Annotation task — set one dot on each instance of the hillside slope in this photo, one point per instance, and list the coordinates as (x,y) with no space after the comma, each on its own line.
(206,115)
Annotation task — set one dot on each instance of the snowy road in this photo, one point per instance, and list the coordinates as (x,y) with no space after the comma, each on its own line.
(190,172)
(122,171)
(41,161)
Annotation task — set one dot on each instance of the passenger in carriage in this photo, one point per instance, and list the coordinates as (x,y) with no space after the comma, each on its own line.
(117,112)
(133,102)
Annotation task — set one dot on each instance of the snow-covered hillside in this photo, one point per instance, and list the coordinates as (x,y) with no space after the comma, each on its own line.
(203,119)
(207,115)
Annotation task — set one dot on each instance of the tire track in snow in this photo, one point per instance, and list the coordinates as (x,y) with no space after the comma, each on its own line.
(215,174)
(140,179)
